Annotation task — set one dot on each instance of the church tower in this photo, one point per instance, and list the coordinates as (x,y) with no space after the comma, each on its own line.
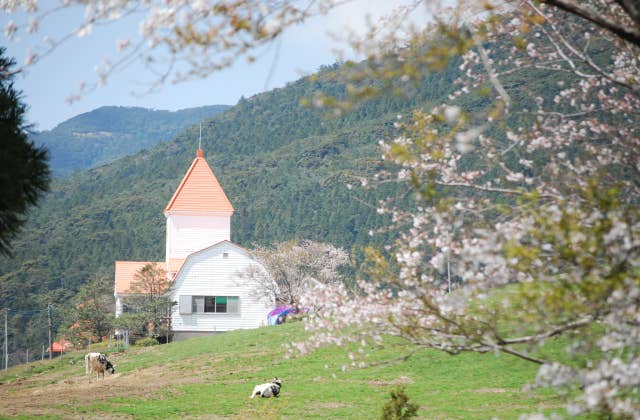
(198,215)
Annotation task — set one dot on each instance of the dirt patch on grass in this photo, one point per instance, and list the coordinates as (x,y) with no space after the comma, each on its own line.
(401,380)
(66,392)
(490,390)
(329,405)
(59,395)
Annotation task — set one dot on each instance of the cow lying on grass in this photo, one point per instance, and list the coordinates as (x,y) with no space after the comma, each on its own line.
(270,389)
(97,363)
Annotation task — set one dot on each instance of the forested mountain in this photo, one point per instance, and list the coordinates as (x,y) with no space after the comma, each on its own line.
(285,168)
(111,132)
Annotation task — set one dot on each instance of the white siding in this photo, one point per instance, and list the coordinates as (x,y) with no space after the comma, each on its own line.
(187,234)
(209,273)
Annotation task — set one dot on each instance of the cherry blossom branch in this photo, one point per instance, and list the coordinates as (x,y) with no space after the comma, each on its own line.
(582,9)
(523,356)
(632,7)
(508,191)
(556,331)
(493,77)
(481,347)
(582,56)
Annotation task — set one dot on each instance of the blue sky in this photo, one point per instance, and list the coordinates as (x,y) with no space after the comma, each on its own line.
(51,80)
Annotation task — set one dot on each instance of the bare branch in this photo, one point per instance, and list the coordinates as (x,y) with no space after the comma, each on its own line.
(582,9)
(556,331)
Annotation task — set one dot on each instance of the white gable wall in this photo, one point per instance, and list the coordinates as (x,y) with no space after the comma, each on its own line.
(188,233)
(209,273)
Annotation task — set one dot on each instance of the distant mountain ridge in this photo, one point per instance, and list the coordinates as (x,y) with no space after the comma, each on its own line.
(108,133)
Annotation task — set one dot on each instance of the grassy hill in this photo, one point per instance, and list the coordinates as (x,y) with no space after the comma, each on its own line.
(212,377)
(111,132)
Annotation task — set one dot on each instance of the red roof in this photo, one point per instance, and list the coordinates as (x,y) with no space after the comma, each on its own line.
(60,346)
(175,264)
(199,190)
(126,272)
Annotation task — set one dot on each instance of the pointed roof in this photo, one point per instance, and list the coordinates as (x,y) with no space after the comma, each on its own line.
(199,190)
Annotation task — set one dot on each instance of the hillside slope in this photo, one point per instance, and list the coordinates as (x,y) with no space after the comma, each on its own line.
(111,132)
(213,377)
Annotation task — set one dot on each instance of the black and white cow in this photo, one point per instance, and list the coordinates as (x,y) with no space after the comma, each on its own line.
(97,363)
(269,389)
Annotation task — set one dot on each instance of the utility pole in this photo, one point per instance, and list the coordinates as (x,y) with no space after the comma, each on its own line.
(6,339)
(50,329)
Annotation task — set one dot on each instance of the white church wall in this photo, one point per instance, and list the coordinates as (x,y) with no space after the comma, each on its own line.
(187,234)
(218,271)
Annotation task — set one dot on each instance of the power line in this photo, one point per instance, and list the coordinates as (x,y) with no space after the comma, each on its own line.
(5,337)
(27,311)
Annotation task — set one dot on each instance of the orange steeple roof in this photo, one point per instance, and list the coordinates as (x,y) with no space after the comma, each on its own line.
(199,190)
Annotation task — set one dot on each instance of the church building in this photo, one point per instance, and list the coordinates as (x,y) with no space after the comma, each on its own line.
(207,274)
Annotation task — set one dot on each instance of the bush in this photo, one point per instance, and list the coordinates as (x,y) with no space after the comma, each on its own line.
(398,407)
(146,342)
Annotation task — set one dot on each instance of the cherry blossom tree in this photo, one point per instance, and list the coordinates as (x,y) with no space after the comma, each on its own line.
(294,268)
(531,203)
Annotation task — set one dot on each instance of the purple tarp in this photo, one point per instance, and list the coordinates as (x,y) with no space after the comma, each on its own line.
(280,311)
(277,310)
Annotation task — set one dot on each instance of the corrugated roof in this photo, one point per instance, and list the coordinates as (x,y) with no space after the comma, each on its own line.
(199,190)
(126,272)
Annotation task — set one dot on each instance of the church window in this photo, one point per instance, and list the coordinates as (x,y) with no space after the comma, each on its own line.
(209,304)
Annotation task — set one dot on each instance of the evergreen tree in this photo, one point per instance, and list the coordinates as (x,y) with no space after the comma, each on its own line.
(24,172)
(93,311)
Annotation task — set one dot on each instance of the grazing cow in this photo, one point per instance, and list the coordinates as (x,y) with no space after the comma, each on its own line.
(97,363)
(270,389)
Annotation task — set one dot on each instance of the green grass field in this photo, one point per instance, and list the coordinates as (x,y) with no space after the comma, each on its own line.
(212,377)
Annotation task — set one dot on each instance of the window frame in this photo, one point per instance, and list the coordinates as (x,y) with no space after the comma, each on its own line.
(212,304)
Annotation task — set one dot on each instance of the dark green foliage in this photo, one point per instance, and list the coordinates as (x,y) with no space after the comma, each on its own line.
(109,133)
(135,322)
(91,316)
(146,342)
(398,407)
(24,173)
